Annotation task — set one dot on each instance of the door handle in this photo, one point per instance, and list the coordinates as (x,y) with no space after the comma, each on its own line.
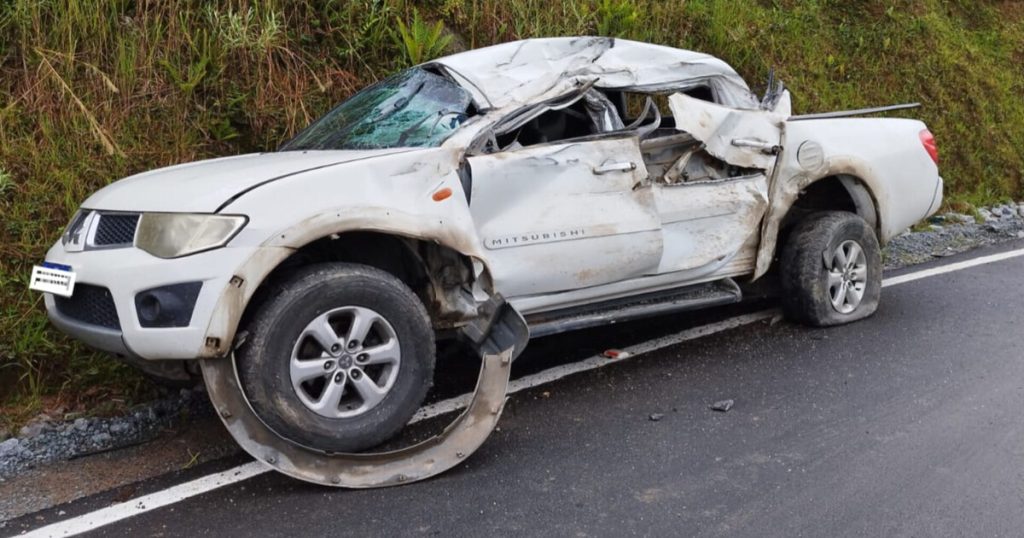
(755,143)
(615,167)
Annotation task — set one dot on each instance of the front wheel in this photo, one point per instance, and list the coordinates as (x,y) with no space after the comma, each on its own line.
(339,358)
(831,270)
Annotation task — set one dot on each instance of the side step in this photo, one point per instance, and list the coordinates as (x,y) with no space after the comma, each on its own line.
(717,293)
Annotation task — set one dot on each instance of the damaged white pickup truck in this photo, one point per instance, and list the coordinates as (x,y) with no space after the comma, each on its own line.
(519,190)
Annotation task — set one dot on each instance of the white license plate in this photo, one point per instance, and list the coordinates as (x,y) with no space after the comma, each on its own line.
(53,278)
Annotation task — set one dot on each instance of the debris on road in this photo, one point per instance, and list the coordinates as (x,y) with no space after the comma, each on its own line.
(616,354)
(723,406)
(655,417)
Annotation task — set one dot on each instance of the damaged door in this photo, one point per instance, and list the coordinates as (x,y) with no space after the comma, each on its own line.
(565,215)
(712,198)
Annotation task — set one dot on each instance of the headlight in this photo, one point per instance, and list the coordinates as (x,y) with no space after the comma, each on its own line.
(173,235)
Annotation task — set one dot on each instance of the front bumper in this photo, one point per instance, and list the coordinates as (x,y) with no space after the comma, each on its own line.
(127,271)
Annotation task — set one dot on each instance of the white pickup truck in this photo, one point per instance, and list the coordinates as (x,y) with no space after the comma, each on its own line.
(566,182)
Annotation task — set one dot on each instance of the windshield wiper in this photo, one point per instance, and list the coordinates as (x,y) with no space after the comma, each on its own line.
(400,104)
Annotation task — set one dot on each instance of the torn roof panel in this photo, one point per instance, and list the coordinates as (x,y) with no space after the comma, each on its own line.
(526,71)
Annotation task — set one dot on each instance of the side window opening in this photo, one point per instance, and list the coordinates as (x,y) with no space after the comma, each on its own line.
(673,157)
(592,114)
(681,159)
(662,153)
(631,104)
(703,93)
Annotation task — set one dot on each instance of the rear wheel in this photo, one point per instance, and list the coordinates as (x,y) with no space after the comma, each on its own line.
(831,270)
(339,358)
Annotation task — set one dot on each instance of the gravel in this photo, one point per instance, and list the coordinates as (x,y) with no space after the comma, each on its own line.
(41,442)
(953,233)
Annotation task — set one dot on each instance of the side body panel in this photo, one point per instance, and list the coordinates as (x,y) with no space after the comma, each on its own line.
(565,216)
(706,224)
(288,214)
(884,154)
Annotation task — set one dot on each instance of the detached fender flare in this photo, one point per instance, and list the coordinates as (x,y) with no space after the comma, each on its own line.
(861,182)
(431,457)
(502,337)
(250,275)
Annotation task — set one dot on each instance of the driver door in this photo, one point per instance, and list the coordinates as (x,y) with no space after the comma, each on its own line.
(566,215)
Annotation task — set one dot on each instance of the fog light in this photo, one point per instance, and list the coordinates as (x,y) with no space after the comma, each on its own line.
(149,307)
(167,306)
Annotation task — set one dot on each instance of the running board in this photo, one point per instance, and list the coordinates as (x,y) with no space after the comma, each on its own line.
(717,293)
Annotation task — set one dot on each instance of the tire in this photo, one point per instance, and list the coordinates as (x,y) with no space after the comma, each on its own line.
(284,347)
(813,272)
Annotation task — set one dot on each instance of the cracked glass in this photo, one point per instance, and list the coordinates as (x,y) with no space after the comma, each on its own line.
(414,108)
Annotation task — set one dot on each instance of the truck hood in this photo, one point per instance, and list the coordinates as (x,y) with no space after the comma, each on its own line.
(205,186)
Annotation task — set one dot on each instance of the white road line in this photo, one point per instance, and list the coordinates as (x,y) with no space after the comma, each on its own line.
(953,267)
(146,503)
(140,505)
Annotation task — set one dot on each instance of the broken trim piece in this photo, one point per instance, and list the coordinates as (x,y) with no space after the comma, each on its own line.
(857,112)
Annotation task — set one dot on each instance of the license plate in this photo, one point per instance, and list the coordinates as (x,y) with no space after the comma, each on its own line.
(53,278)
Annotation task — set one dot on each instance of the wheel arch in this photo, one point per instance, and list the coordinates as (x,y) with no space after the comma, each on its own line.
(847,187)
(442,265)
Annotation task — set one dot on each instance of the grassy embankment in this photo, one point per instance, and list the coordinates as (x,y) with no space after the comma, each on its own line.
(91,91)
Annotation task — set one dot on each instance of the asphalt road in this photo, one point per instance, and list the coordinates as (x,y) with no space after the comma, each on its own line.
(906,424)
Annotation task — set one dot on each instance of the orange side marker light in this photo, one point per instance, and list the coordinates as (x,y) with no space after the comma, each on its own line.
(442,194)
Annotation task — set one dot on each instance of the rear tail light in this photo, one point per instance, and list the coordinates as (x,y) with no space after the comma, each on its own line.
(928,139)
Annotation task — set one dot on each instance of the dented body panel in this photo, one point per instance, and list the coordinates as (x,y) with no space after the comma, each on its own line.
(745,138)
(529,71)
(534,205)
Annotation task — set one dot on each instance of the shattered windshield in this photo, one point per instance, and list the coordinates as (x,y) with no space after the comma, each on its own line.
(415,108)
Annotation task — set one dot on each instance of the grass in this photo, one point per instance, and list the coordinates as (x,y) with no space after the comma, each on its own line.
(91,91)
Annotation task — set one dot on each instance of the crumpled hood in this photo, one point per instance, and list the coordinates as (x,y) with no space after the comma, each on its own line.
(204,186)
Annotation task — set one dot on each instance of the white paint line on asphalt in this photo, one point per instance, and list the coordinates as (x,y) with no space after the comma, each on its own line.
(140,505)
(146,503)
(953,267)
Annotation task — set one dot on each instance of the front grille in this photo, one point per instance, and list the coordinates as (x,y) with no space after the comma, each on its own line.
(74,229)
(90,304)
(115,229)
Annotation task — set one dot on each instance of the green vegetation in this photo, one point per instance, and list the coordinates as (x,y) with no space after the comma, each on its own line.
(421,41)
(91,91)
